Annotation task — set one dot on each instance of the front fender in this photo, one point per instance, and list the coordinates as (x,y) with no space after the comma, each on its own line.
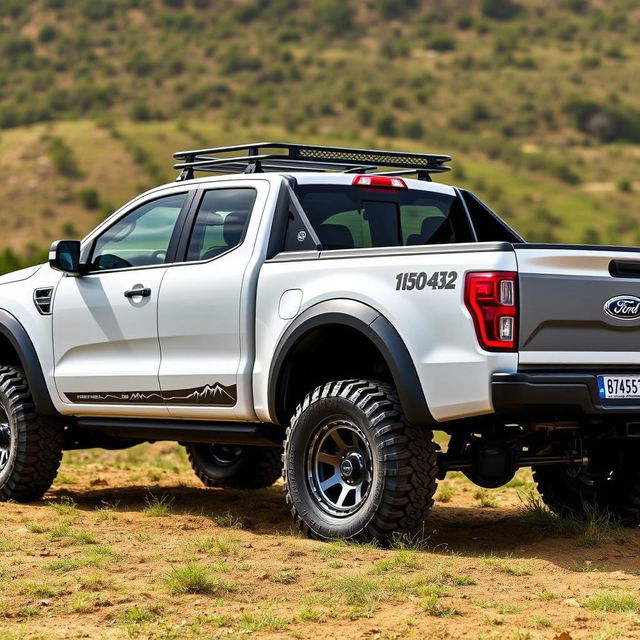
(18,338)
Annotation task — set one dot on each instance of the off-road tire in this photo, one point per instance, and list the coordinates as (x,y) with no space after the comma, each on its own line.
(252,468)
(403,463)
(35,442)
(615,489)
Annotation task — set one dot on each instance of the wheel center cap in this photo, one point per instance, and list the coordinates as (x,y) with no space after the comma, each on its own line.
(351,466)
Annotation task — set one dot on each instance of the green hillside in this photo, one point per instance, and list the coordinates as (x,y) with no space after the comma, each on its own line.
(536,100)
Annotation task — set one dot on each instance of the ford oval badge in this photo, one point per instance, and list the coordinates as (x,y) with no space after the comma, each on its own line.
(623,307)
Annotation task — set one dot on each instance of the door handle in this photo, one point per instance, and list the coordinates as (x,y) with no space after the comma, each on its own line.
(134,293)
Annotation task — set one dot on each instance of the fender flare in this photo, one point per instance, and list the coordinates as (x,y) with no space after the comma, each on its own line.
(378,330)
(19,339)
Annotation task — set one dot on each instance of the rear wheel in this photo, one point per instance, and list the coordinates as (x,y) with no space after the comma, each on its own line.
(30,445)
(354,468)
(609,483)
(234,466)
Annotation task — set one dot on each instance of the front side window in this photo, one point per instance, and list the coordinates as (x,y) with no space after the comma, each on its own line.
(141,238)
(220,222)
(352,217)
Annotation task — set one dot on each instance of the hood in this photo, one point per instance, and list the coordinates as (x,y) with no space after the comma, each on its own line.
(22,274)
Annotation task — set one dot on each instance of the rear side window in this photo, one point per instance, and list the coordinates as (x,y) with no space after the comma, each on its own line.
(348,217)
(220,222)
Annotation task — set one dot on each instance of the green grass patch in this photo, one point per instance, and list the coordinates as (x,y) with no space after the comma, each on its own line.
(195,578)
(158,506)
(613,603)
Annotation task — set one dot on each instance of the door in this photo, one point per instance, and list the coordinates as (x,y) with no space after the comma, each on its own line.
(206,308)
(105,331)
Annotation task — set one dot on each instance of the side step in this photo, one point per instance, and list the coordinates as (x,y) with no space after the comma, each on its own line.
(238,433)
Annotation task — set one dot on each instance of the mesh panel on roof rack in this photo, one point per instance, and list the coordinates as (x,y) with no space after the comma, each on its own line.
(306,157)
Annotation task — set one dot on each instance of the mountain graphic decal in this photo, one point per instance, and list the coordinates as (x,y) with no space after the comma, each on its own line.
(212,395)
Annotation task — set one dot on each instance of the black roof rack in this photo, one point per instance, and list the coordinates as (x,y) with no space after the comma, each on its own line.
(285,156)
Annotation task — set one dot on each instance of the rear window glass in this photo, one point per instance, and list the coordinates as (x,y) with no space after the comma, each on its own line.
(347,217)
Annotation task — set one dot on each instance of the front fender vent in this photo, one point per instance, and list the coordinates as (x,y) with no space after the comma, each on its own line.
(42,300)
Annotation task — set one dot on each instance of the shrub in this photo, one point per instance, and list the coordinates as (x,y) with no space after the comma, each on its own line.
(500,9)
(413,129)
(464,21)
(63,158)
(336,16)
(441,42)
(394,9)
(47,33)
(604,122)
(89,197)
(386,125)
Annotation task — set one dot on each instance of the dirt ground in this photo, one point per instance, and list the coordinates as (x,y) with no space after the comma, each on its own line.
(129,545)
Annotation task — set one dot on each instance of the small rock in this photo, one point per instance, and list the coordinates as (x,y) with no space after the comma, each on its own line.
(570,602)
(563,636)
(44,603)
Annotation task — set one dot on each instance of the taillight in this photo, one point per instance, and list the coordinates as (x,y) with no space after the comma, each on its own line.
(384,182)
(492,299)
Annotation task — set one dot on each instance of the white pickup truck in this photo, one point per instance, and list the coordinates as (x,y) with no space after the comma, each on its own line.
(318,315)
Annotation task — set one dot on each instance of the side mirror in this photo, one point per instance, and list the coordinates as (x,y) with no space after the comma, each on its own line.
(64,255)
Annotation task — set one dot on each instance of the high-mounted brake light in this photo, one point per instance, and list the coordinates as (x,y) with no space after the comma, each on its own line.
(492,300)
(383,182)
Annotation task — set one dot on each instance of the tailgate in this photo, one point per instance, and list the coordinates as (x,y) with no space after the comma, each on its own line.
(579,305)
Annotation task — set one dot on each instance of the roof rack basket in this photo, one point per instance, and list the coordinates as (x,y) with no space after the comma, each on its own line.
(285,156)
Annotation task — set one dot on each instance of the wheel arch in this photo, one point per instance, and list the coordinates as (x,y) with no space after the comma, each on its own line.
(16,348)
(364,323)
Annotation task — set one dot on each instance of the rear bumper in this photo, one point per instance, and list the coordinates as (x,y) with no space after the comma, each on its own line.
(555,396)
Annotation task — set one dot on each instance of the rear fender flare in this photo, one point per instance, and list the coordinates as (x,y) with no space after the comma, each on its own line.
(378,330)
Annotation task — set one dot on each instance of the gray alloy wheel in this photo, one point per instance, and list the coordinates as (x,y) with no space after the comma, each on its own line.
(340,467)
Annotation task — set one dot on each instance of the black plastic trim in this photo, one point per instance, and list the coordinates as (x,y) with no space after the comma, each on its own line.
(567,394)
(239,433)
(375,327)
(17,336)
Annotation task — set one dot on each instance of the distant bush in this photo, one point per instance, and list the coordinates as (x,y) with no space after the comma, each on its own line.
(139,63)
(97,11)
(577,6)
(47,33)
(624,185)
(63,158)
(413,129)
(236,59)
(605,122)
(12,8)
(386,126)
(395,9)
(465,21)
(336,16)
(441,42)
(89,198)
(9,261)
(500,9)
(365,116)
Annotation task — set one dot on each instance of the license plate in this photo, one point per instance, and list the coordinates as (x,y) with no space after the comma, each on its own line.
(619,386)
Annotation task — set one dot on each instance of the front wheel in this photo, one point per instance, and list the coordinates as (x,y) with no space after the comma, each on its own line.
(354,468)
(30,445)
